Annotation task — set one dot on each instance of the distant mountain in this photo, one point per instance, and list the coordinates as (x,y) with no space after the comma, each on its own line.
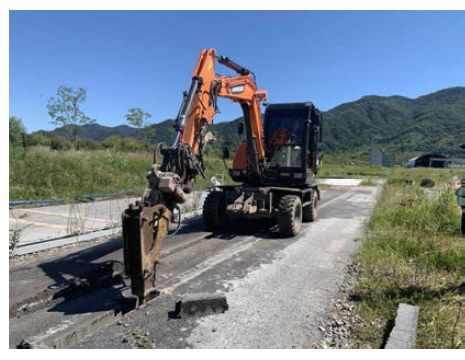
(164,131)
(434,122)
(98,132)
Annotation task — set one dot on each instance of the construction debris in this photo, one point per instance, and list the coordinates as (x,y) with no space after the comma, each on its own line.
(201,304)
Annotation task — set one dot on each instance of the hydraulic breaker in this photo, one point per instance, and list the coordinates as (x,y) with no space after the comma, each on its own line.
(144,229)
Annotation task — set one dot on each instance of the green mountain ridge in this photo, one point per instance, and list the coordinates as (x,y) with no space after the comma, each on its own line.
(432,122)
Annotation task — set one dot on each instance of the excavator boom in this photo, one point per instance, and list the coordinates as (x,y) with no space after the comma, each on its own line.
(146,224)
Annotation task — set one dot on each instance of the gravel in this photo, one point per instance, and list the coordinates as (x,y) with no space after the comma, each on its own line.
(337,328)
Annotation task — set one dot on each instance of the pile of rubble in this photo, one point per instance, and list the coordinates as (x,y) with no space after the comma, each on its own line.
(337,329)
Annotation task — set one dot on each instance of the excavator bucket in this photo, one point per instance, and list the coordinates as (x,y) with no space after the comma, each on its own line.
(144,229)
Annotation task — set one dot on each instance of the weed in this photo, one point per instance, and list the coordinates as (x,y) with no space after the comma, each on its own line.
(413,254)
(14,235)
(352,171)
(367,182)
(40,173)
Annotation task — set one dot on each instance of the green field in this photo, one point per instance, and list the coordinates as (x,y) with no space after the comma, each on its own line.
(413,254)
(41,173)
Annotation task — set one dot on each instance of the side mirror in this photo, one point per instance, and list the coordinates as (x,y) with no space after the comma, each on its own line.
(240,128)
(225,153)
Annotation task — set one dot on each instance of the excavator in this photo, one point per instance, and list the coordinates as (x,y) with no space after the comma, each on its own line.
(275,165)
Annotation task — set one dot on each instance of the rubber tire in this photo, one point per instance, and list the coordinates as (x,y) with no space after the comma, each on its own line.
(214,210)
(289,215)
(310,211)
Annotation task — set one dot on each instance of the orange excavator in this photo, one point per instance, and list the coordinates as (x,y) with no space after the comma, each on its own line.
(275,164)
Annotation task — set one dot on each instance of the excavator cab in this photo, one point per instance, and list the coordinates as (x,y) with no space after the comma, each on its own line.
(286,189)
(293,134)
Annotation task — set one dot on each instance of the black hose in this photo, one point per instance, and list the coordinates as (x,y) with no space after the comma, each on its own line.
(179,223)
(155,152)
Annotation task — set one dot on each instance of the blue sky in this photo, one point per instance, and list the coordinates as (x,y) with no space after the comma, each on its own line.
(145,58)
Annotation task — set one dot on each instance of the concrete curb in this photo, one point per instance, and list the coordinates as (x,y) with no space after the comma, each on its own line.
(404,332)
(31,247)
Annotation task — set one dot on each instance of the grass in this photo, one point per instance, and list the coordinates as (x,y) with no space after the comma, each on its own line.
(352,171)
(40,173)
(413,254)
(14,237)
(367,182)
(350,165)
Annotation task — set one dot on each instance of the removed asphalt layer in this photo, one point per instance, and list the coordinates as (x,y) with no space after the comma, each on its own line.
(278,290)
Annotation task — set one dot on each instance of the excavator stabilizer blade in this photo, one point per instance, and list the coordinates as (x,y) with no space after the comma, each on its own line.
(144,229)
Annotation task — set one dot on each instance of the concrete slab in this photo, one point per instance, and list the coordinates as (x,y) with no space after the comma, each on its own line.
(347,182)
(53,222)
(404,332)
(51,226)
(46,244)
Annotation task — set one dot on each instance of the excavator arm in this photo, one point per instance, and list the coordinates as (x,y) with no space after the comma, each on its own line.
(146,224)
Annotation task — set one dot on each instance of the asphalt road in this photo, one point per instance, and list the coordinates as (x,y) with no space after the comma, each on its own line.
(278,290)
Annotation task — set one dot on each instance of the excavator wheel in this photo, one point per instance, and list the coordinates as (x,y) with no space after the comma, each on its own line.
(214,210)
(310,211)
(289,215)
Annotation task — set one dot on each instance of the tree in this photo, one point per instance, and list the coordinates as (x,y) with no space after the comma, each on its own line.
(138,118)
(38,138)
(17,132)
(114,142)
(64,109)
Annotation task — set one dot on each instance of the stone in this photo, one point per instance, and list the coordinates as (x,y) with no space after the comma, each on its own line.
(427,183)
